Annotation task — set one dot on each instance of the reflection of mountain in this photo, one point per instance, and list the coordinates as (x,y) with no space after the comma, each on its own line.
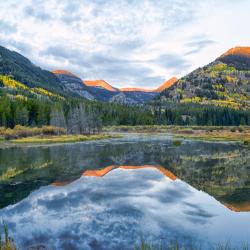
(219,169)
(236,207)
(106,170)
(102,172)
(98,173)
(245,207)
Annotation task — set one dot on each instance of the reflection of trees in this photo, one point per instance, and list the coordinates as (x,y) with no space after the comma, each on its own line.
(221,170)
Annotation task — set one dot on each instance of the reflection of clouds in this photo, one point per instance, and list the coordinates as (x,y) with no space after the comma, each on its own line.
(111,212)
(196,214)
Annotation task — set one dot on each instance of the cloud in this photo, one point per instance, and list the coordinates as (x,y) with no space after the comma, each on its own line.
(197,45)
(38,11)
(173,61)
(7,28)
(127,42)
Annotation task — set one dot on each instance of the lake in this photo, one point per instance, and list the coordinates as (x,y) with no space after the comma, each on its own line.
(110,194)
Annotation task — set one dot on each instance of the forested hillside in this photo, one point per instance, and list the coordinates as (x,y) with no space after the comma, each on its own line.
(217,94)
(21,69)
(224,82)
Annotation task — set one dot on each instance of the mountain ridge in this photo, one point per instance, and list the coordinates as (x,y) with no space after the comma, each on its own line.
(223,82)
(103,91)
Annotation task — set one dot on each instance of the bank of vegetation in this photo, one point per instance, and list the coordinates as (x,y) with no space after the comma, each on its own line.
(47,134)
(213,133)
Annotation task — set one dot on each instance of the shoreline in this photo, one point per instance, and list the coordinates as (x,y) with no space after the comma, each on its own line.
(206,133)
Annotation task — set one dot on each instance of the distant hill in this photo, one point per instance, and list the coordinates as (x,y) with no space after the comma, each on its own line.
(103,91)
(238,57)
(73,84)
(224,82)
(166,84)
(23,70)
(100,84)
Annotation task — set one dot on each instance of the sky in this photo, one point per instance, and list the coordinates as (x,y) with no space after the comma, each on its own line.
(128,43)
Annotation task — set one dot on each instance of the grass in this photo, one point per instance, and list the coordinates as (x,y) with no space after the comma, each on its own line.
(64,138)
(176,245)
(6,243)
(221,135)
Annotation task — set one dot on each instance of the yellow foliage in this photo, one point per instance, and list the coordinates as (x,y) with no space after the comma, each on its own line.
(230,79)
(11,83)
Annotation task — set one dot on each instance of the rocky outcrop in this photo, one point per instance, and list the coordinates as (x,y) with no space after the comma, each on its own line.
(121,98)
(73,84)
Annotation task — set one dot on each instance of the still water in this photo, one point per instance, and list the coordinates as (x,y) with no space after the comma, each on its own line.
(111,194)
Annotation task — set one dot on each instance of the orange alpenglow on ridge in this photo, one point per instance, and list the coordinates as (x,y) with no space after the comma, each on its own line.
(98,173)
(136,89)
(63,72)
(243,51)
(245,207)
(104,171)
(61,183)
(163,170)
(100,83)
(167,84)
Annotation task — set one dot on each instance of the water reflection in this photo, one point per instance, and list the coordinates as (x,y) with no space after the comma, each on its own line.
(114,211)
(148,187)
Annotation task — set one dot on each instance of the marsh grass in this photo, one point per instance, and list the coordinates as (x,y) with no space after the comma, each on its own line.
(6,242)
(208,133)
(190,245)
(21,131)
(64,138)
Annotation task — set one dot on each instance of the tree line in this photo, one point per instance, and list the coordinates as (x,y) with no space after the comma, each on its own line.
(87,117)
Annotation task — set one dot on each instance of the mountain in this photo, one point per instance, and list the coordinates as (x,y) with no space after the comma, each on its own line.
(72,83)
(136,90)
(100,84)
(166,84)
(23,70)
(238,57)
(103,91)
(224,82)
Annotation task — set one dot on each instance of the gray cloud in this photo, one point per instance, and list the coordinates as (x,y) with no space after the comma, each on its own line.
(7,28)
(22,47)
(37,11)
(173,61)
(196,46)
(104,65)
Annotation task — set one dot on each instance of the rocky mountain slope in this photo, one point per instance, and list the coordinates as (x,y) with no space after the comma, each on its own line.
(72,83)
(102,91)
(224,82)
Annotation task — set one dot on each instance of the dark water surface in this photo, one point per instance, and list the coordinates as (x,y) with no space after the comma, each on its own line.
(110,194)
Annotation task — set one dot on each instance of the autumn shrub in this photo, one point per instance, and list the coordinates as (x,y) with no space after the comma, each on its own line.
(51,130)
(21,131)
